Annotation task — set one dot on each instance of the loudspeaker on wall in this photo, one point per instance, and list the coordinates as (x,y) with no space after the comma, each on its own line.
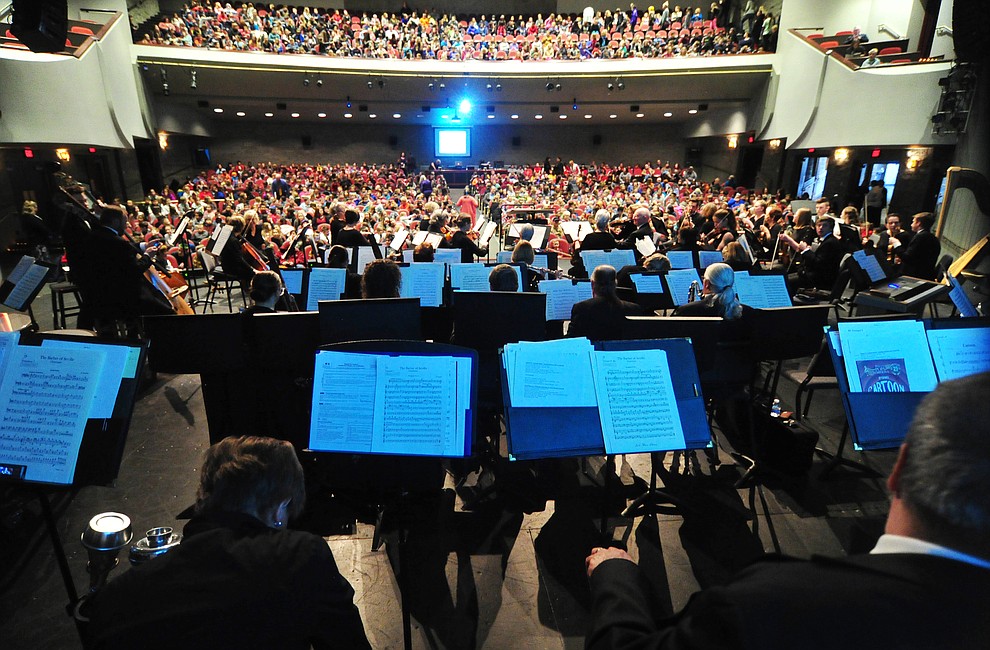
(41,24)
(202,157)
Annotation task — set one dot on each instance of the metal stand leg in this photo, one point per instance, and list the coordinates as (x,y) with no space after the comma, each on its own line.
(838,460)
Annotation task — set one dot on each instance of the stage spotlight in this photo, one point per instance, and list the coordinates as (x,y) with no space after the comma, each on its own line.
(611,86)
(348,101)
(192,80)
(549,86)
(488,87)
(557,87)
(464,107)
(306,81)
(574,105)
(165,88)
(319,83)
(370,84)
(621,85)
(443,86)
(498,88)
(432,86)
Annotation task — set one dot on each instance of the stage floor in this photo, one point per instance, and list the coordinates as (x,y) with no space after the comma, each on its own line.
(507,572)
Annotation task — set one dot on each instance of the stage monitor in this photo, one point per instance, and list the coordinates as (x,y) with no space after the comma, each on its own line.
(449,143)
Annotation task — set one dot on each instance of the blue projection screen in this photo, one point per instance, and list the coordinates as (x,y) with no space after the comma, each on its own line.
(451,142)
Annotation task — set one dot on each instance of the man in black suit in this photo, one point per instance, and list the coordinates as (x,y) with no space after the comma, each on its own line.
(644,230)
(926,584)
(920,255)
(819,261)
(113,284)
(601,317)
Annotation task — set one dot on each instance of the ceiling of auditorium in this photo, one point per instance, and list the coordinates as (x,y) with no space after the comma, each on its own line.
(322,96)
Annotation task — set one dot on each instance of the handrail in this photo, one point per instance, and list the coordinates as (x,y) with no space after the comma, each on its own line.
(886,28)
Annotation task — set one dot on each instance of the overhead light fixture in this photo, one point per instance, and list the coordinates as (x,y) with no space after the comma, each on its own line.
(306,81)
(432,86)
(348,101)
(62,154)
(372,115)
(611,86)
(841,155)
(574,105)
(489,87)
(775,144)
(693,111)
(464,106)
(348,115)
(587,116)
(321,115)
(269,114)
(621,85)
(381,82)
(549,86)
(538,116)
(491,117)
(557,87)
(443,86)
(514,116)
(294,115)
(241,113)
(498,87)
(396,115)
(455,119)
(162,140)
(192,80)
(612,116)
(563,116)
(668,114)
(640,115)
(733,141)
(371,84)
(319,82)
(218,110)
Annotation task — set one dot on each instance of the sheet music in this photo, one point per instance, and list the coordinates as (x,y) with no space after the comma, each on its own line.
(960,352)
(679,283)
(470,277)
(8,343)
(423,281)
(539,238)
(744,242)
(504,257)
(887,356)
(541,260)
(221,240)
(707,258)
(324,284)
(447,255)
(344,386)
(647,283)
(562,295)
(18,271)
(365,256)
(514,230)
(293,280)
(44,403)
(550,373)
(636,402)
(576,230)
(398,239)
(27,285)
(615,258)
(181,228)
(762,291)
(479,224)
(869,264)
(486,233)
(407,255)
(117,362)
(415,406)
(681,259)
(434,239)
(645,246)
(959,298)
(419,237)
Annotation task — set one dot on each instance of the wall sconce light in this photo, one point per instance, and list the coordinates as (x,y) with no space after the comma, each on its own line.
(915,157)
(62,154)
(775,144)
(841,155)
(733,141)
(162,140)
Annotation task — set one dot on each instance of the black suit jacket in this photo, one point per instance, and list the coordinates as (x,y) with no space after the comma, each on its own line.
(600,319)
(598,241)
(821,264)
(232,583)
(919,257)
(468,248)
(904,601)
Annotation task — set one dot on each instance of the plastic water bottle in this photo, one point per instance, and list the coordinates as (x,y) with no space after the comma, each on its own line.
(775,409)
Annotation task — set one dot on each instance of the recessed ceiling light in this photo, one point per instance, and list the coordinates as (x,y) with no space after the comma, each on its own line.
(445,117)
(396,115)
(538,116)
(419,115)
(218,110)
(241,113)
(587,117)
(693,111)
(348,115)
(640,115)
(321,115)
(269,114)
(491,117)
(612,116)
(563,117)
(514,116)
(372,115)
(668,114)
(294,115)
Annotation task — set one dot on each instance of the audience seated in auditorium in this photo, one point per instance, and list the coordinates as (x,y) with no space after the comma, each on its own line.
(926,583)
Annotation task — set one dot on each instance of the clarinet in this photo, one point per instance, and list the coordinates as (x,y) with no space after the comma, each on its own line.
(693,291)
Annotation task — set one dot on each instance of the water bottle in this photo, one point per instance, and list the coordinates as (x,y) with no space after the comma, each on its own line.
(775,408)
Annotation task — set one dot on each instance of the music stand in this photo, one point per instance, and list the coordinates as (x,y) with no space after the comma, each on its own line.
(397,477)
(98,451)
(366,319)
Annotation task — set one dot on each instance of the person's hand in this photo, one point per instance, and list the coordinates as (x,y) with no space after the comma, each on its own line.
(895,241)
(600,554)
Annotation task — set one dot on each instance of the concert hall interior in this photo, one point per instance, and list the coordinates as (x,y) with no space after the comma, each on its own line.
(238,139)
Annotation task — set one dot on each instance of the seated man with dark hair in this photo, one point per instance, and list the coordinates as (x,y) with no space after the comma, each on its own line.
(926,584)
(240,578)
(503,278)
(266,288)
(381,279)
(819,261)
(601,317)
(920,256)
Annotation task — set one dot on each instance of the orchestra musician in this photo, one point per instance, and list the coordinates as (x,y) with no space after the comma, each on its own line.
(601,317)
(460,239)
(718,296)
(238,257)
(110,273)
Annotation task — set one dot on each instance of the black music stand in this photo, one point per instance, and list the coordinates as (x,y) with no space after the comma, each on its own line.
(366,319)
(397,478)
(786,333)
(100,451)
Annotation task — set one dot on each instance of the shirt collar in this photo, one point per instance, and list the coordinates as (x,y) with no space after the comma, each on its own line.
(900,544)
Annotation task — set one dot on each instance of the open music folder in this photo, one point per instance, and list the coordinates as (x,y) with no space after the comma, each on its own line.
(405,405)
(612,397)
(57,393)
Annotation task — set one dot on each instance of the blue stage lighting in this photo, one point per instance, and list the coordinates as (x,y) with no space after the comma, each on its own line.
(464,107)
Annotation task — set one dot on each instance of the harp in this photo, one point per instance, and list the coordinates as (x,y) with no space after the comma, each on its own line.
(962,224)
